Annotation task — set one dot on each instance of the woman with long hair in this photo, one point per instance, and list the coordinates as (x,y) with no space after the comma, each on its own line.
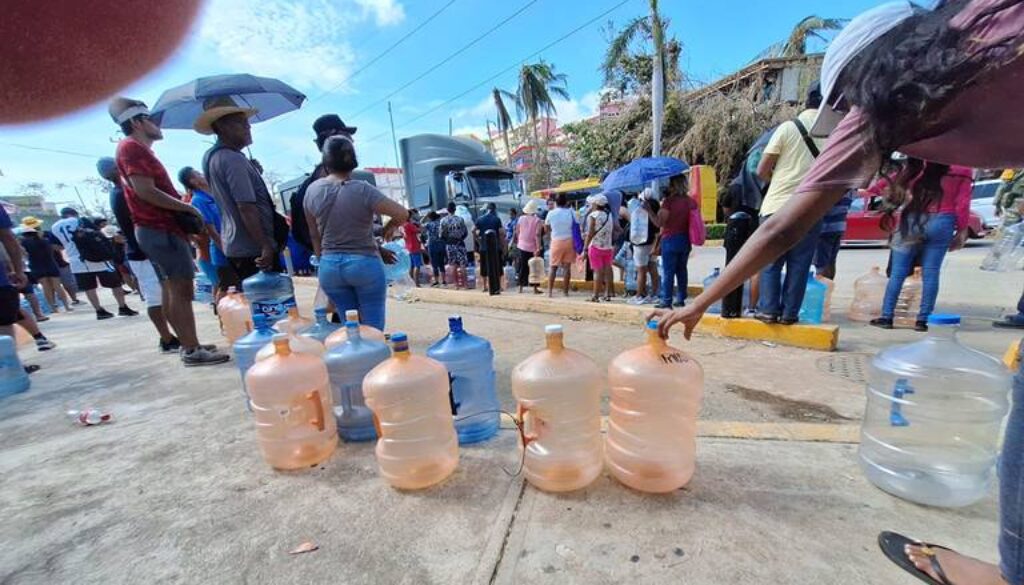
(934,210)
(599,247)
(674,220)
(942,85)
(435,247)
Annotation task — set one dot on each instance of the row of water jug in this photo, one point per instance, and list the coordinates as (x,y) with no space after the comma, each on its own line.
(816,307)
(869,294)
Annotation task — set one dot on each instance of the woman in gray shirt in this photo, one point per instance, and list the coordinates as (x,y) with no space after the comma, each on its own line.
(340,215)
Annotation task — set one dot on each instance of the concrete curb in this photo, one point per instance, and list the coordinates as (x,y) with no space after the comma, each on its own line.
(818,337)
(692,290)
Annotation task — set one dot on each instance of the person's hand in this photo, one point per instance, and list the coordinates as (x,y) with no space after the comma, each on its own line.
(689,316)
(388,256)
(18,279)
(266,258)
(538,254)
(959,240)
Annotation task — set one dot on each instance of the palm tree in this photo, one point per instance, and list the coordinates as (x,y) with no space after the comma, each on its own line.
(504,119)
(796,44)
(538,82)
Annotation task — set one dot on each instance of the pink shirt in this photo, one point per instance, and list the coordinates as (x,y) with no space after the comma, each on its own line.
(956,194)
(528,225)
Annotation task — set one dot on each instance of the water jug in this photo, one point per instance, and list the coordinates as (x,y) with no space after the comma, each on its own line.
(13,379)
(321,328)
(812,310)
(559,402)
(249,345)
(270,294)
(868,295)
(320,300)
(461,280)
(294,324)
(716,308)
(347,365)
(235,315)
(536,266)
(471,277)
(449,275)
(408,395)
(631,274)
(830,286)
(656,392)
(203,289)
(424,278)
(291,406)
(511,278)
(931,426)
(400,268)
(909,301)
(470,363)
(365,331)
(1008,250)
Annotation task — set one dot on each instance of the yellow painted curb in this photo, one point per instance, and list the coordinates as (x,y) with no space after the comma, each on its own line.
(819,337)
(1012,356)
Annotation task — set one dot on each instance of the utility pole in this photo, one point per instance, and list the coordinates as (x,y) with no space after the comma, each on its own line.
(449,126)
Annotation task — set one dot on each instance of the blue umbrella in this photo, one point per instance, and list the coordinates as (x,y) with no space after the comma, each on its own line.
(643,170)
(179,107)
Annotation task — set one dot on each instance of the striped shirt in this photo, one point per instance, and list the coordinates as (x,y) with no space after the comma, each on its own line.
(835,220)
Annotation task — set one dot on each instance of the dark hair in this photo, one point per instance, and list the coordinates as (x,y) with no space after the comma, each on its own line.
(451,207)
(813,100)
(562,200)
(185,177)
(512,212)
(491,207)
(340,155)
(432,216)
(925,192)
(128,126)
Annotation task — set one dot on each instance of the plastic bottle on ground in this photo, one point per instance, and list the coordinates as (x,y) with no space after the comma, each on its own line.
(830,286)
(270,294)
(471,277)
(298,344)
(90,417)
(235,315)
(511,278)
(13,379)
(868,296)
(470,363)
(449,275)
(812,310)
(909,301)
(365,331)
(408,395)
(347,366)
(931,425)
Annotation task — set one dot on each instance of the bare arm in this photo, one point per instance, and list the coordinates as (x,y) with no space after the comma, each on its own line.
(13,249)
(766,167)
(590,234)
(396,212)
(147,190)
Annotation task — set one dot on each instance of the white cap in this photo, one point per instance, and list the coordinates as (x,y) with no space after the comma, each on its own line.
(550,329)
(352,315)
(856,36)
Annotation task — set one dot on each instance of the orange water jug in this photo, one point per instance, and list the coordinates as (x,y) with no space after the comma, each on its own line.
(909,301)
(408,395)
(656,392)
(559,403)
(868,295)
(294,324)
(291,405)
(235,315)
(298,344)
(365,331)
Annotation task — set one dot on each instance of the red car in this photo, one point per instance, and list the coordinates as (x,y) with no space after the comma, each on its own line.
(863,224)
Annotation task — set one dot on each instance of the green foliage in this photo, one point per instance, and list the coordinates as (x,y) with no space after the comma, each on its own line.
(715,231)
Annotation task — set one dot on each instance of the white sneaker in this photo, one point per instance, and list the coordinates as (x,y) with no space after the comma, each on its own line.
(649,300)
(635,300)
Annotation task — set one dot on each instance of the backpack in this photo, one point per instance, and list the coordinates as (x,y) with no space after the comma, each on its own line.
(92,245)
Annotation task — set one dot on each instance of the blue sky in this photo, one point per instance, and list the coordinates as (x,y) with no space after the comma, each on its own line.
(319,46)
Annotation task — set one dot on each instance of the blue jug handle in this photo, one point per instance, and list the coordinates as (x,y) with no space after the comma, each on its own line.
(901,389)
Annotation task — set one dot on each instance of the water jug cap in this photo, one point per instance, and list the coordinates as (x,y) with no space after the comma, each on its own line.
(943,319)
(352,315)
(552,329)
(399,342)
(455,323)
(652,324)
(320,311)
(281,346)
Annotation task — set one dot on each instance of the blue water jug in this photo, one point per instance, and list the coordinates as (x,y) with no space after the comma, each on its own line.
(13,379)
(204,289)
(471,277)
(715,309)
(347,365)
(400,269)
(249,345)
(321,328)
(270,294)
(470,363)
(812,310)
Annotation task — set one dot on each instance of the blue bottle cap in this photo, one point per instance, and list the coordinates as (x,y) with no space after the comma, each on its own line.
(455,323)
(652,324)
(320,311)
(399,342)
(944,319)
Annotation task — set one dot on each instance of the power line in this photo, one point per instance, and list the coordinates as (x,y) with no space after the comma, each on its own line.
(53,150)
(507,69)
(438,65)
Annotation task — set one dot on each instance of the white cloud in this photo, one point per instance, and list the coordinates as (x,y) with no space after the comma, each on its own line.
(573,109)
(385,12)
(483,110)
(479,131)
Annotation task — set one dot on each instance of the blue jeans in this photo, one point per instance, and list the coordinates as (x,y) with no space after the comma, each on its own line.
(930,241)
(675,251)
(783,299)
(209,270)
(1011,488)
(357,282)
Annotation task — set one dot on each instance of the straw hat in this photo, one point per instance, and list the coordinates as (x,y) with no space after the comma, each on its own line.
(31,222)
(531,207)
(216,108)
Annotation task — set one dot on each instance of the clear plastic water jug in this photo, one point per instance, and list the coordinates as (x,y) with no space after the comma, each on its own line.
(13,379)
(909,302)
(471,277)
(408,395)
(249,345)
(203,289)
(830,287)
(656,392)
(321,328)
(291,406)
(449,275)
(235,315)
(1008,251)
(631,274)
(294,323)
(868,295)
(716,308)
(347,365)
(559,402)
(270,294)
(365,331)
(931,426)
(470,363)
(812,310)
(400,269)
(511,278)
(536,266)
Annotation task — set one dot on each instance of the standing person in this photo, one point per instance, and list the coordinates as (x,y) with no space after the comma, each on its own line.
(1009,197)
(599,247)
(149,282)
(558,225)
(510,226)
(218,270)
(339,213)
(155,208)
(470,241)
(528,241)
(41,263)
(435,247)
(454,233)
(89,274)
(832,229)
(67,278)
(411,236)
(323,128)
(489,221)
(644,242)
(674,220)
(249,237)
(936,207)
(12,277)
(787,158)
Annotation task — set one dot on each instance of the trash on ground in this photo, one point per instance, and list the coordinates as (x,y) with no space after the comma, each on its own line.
(305,547)
(90,417)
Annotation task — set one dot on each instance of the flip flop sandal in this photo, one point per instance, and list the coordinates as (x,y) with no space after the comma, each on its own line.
(32,368)
(893,547)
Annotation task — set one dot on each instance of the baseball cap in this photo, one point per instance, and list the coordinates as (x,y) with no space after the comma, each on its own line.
(331,122)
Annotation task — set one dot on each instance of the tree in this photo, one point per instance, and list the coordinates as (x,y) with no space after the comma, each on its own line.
(628,65)
(537,83)
(796,44)
(504,119)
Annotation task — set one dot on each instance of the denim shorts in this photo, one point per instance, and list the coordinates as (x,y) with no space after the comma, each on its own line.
(170,254)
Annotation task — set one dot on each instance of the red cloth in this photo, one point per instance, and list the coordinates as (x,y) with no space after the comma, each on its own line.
(956,194)
(678,215)
(135,158)
(411,233)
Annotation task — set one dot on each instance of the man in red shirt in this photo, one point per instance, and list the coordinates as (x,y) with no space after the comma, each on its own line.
(156,209)
(411,233)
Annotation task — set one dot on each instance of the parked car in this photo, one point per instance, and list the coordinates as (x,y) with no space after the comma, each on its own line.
(863,224)
(983,202)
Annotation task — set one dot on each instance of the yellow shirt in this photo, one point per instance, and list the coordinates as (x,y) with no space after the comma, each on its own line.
(794,161)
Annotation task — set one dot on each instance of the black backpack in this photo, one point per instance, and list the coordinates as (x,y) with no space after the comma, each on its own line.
(92,245)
